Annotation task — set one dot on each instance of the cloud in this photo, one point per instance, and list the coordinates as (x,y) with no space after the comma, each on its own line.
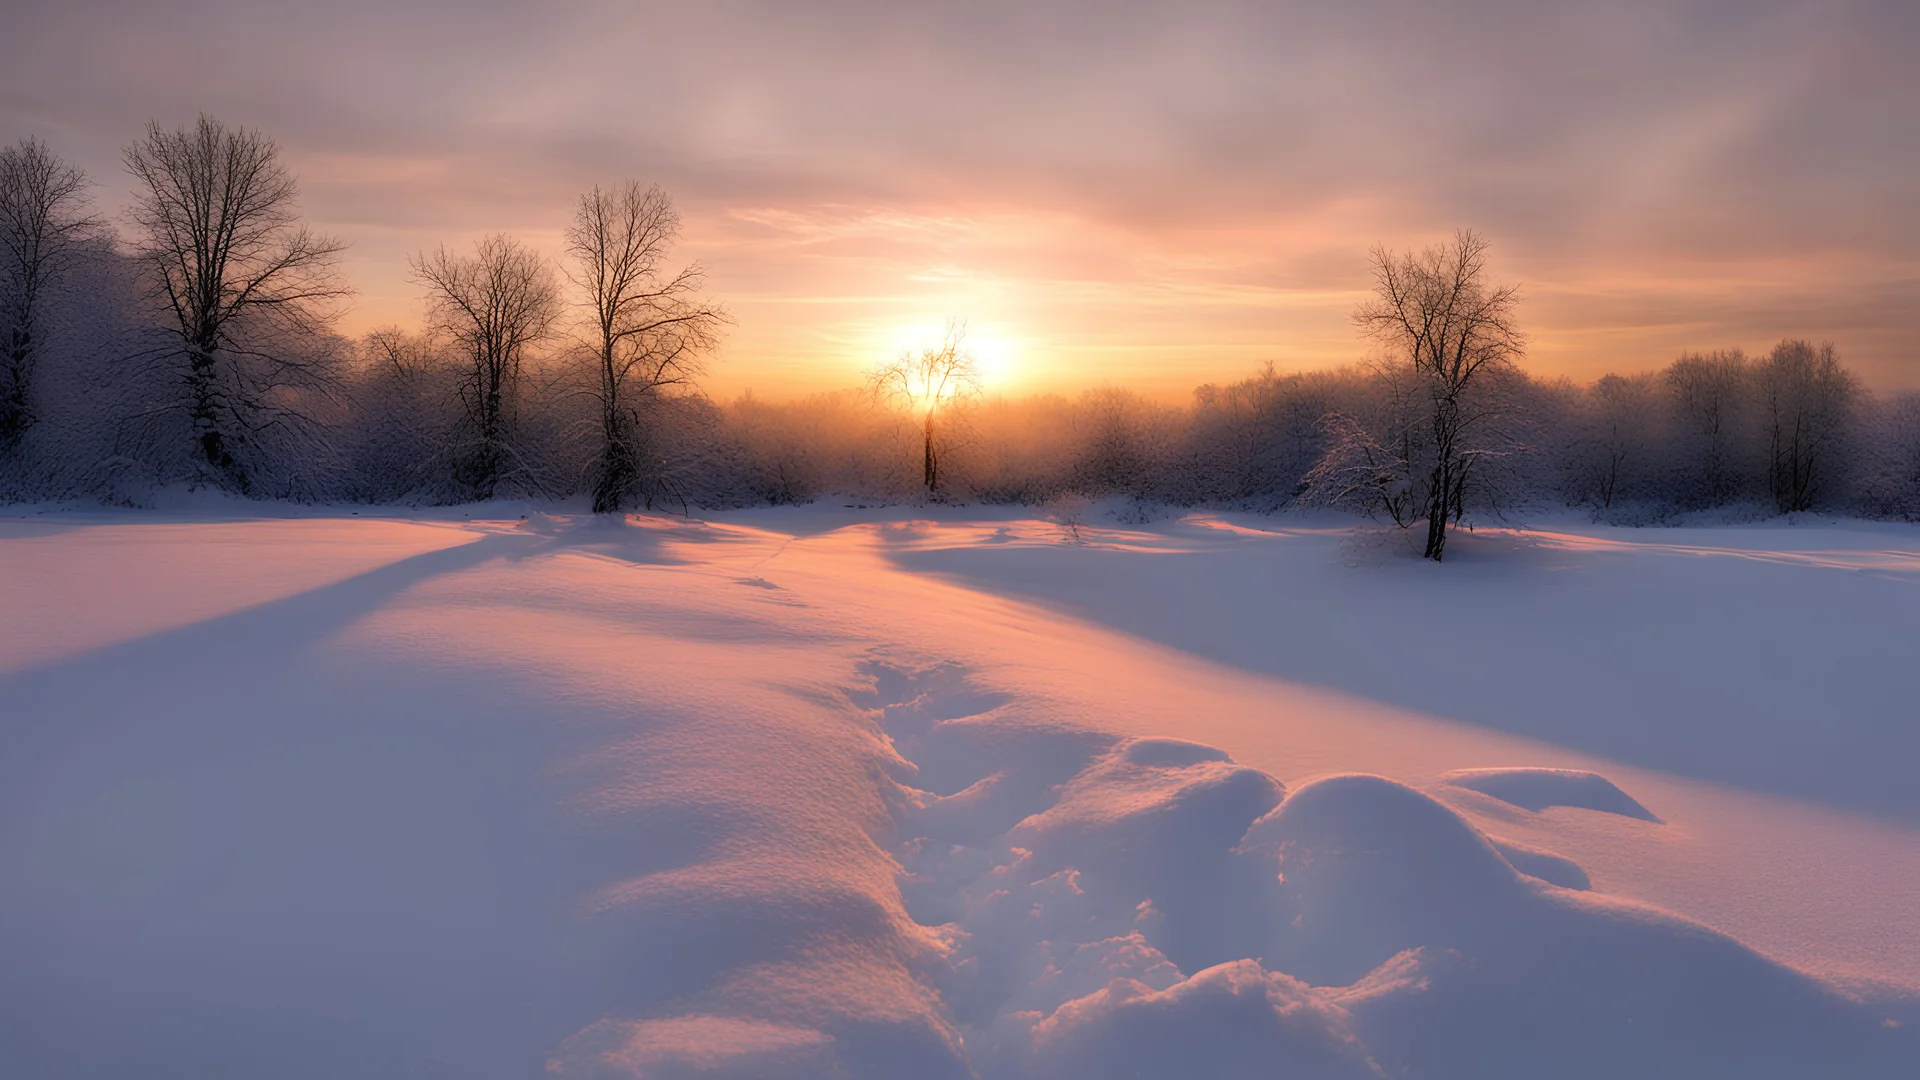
(1088,160)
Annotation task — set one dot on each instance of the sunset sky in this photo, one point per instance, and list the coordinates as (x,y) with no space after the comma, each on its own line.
(1145,194)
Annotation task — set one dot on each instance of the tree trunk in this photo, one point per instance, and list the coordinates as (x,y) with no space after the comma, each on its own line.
(930,470)
(207,433)
(1441,494)
(1436,537)
(616,473)
(16,410)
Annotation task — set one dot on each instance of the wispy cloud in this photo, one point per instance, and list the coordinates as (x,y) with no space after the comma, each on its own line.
(1139,191)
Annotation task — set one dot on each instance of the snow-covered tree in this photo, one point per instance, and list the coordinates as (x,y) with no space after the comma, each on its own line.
(1709,397)
(494,306)
(247,292)
(650,330)
(43,224)
(1806,403)
(1431,447)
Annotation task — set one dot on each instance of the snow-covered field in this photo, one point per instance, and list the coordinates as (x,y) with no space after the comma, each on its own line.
(836,792)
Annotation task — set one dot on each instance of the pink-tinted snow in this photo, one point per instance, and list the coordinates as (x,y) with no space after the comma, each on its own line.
(810,794)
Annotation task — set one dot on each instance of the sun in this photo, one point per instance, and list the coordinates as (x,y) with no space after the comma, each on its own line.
(996,355)
(996,359)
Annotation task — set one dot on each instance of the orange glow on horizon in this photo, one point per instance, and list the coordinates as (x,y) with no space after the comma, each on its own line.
(1180,198)
(1057,303)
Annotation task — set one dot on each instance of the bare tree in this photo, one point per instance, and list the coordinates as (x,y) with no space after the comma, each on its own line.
(1253,441)
(42,222)
(1708,395)
(926,384)
(1615,439)
(242,277)
(1450,337)
(1887,467)
(650,329)
(398,434)
(1375,474)
(1807,402)
(494,304)
(1121,439)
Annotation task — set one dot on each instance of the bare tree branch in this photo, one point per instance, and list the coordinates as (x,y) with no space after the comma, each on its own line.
(494,304)
(42,223)
(650,328)
(926,384)
(1446,330)
(246,283)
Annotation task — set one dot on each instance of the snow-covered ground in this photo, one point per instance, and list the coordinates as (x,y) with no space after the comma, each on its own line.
(832,792)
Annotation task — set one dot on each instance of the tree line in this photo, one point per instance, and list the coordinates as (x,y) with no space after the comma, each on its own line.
(200,346)
(196,344)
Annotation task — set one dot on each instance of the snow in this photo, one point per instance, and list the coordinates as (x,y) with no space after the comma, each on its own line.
(822,793)
(1537,789)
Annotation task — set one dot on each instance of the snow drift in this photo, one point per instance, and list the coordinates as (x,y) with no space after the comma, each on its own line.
(1165,912)
(671,799)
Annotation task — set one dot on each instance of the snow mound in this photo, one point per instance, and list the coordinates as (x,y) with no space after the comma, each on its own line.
(1537,789)
(1232,1020)
(1158,910)
(1171,753)
(1000,770)
(1457,965)
(1368,868)
(722,1048)
(1548,866)
(1158,822)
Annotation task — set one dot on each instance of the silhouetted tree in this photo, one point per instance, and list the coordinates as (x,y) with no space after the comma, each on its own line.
(1450,336)
(926,383)
(494,305)
(650,330)
(400,436)
(1618,414)
(1709,397)
(247,285)
(1121,441)
(1886,459)
(1806,400)
(42,222)
(1253,442)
